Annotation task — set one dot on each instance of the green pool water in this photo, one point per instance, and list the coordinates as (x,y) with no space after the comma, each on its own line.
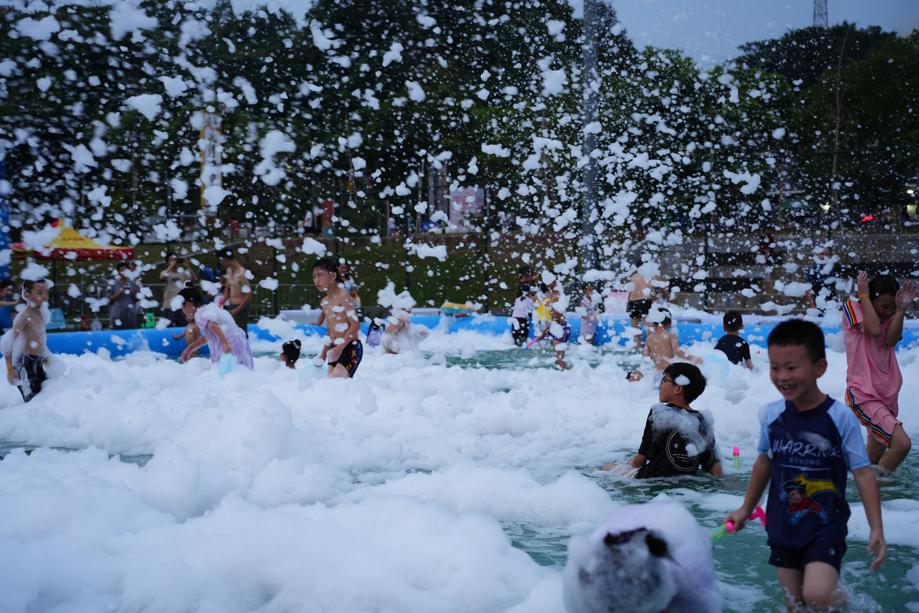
(542,357)
(6,447)
(748,582)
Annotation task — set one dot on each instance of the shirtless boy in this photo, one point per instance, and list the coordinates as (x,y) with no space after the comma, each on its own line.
(343,350)
(25,345)
(641,297)
(662,345)
(237,293)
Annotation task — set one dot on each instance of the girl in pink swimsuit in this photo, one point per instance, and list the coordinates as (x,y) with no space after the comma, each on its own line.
(872,327)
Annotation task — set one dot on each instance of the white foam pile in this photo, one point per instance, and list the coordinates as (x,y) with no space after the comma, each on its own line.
(279,490)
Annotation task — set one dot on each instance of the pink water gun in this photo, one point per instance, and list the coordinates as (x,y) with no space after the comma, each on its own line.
(728,527)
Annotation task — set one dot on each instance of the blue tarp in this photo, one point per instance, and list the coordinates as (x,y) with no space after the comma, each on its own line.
(610,330)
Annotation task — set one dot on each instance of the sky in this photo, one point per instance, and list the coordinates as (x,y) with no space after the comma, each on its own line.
(711,30)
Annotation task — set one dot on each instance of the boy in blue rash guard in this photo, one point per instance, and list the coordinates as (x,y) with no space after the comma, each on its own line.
(808,442)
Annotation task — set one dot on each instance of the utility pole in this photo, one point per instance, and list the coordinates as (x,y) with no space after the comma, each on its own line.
(590,104)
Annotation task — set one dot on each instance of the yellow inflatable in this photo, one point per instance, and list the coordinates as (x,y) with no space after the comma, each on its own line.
(455,309)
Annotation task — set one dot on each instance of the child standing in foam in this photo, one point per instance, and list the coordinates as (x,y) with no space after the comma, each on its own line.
(872,327)
(218,330)
(343,350)
(25,345)
(590,314)
(290,353)
(678,440)
(807,444)
(662,345)
(520,316)
(731,344)
(558,331)
(542,308)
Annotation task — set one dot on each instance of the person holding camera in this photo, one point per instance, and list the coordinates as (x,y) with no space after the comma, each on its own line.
(175,278)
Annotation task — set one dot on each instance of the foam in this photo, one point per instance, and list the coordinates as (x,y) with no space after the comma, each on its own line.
(279,489)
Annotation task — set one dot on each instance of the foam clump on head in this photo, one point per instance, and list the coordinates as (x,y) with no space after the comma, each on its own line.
(644,557)
(681,380)
(658,316)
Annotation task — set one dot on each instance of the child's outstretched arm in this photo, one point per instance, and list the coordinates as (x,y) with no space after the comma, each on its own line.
(675,347)
(637,461)
(871,323)
(867,486)
(904,299)
(192,348)
(759,479)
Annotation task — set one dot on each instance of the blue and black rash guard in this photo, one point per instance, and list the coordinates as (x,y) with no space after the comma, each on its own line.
(811,451)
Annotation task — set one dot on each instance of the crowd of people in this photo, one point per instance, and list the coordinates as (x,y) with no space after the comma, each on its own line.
(808,441)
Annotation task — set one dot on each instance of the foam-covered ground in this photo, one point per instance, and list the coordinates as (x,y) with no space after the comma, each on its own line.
(416,486)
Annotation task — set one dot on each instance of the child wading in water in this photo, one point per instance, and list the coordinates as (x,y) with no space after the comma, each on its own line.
(678,440)
(807,443)
(290,353)
(872,327)
(731,344)
(662,345)
(218,330)
(558,331)
(25,345)
(190,333)
(590,314)
(521,315)
(343,350)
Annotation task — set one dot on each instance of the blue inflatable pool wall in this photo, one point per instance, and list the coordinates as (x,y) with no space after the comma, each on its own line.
(118,343)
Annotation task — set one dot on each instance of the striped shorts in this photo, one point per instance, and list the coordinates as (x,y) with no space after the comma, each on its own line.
(879,418)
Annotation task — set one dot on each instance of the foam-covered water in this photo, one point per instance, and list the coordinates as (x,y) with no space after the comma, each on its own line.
(444,480)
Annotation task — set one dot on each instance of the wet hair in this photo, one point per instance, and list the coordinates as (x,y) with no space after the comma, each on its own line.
(192,295)
(225,254)
(696,385)
(328,265)
(543,288)
(28,284)
(733,321)
(291,351)
(5,283)
(121,266)
(799,333)
(883,285)
(171,254)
